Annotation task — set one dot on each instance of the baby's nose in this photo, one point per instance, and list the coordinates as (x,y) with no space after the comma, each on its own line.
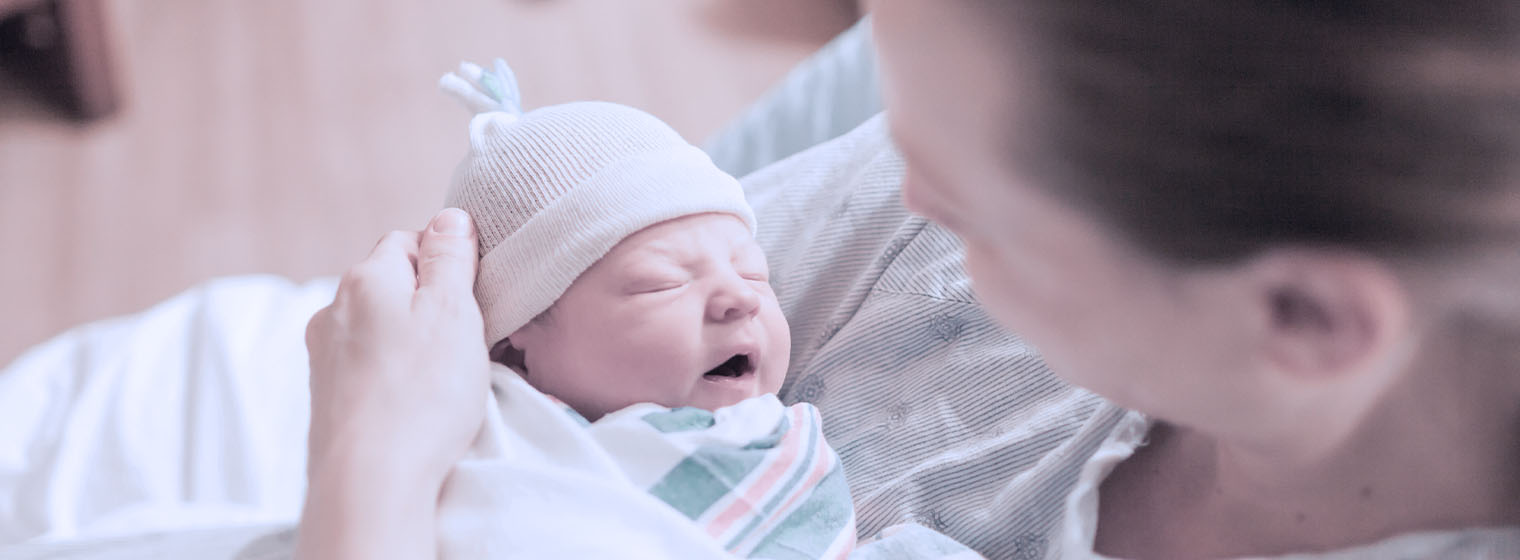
(734,303)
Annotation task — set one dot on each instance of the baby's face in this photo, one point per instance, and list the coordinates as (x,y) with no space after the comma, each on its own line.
(679,314)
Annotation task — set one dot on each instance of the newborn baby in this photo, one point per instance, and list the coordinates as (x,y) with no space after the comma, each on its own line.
(638,347)
(678,314)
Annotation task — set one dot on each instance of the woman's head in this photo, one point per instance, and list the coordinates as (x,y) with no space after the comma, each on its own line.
(1227,202)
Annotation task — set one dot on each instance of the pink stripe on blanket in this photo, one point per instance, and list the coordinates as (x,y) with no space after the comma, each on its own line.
(744,504)
(821,468)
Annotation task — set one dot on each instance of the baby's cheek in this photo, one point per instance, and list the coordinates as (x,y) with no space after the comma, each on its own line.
(781,344)
(648,361)
(780,351)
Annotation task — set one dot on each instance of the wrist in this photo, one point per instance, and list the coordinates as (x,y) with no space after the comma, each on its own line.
(351,463)
(367,511)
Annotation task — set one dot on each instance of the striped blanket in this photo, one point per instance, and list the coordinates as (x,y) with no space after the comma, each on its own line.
(754,480)
(757,476)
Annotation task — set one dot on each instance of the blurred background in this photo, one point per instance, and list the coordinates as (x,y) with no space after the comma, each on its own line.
(147,145)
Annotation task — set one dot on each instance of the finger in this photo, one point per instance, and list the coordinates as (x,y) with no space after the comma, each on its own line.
(404,240)
(316,329)
(388,274)
(395,257)
(446,257)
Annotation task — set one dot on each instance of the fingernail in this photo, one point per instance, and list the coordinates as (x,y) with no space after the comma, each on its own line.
(451,221)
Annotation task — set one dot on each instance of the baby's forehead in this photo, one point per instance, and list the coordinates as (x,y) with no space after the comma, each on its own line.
(684,240)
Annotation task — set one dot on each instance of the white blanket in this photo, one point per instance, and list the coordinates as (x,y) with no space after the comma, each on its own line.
(538,484)
(190,414)
(754,479)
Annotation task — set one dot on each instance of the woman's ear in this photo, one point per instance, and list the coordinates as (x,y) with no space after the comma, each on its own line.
(1329,315)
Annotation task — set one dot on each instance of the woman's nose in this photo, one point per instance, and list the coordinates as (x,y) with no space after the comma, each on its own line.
(734,301)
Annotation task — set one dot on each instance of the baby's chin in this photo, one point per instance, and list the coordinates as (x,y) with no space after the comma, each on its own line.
(712,401)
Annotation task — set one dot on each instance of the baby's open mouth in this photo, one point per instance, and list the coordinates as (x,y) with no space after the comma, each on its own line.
(737,366)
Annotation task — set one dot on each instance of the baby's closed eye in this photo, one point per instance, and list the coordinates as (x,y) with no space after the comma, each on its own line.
(653,286)
(654,281)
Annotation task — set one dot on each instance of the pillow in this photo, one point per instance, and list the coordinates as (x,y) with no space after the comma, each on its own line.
(827,95)
(938,414)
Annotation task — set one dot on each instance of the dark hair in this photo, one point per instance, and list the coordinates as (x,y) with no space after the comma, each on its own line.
(1207,130)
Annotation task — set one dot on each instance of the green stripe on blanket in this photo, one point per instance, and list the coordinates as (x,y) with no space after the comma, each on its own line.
(808,530)
(781,493)
(711,472)
(684,419)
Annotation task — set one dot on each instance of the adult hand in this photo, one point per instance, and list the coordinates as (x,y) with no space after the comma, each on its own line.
(398,361)
(399,378)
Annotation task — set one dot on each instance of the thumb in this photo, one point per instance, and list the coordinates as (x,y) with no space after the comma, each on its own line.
(447,257)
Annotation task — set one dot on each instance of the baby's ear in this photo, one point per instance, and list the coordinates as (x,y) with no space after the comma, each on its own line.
(505,354)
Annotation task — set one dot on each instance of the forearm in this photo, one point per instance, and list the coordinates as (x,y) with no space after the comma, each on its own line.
(398,369)
(366,513)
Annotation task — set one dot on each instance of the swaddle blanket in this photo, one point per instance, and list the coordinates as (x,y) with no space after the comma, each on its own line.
(755,479)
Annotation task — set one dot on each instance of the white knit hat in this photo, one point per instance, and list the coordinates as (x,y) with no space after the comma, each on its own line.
(552,190)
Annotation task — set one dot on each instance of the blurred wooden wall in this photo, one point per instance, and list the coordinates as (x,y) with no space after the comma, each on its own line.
(285,136)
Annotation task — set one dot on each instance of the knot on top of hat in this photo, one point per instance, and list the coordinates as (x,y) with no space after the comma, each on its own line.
(484,91)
